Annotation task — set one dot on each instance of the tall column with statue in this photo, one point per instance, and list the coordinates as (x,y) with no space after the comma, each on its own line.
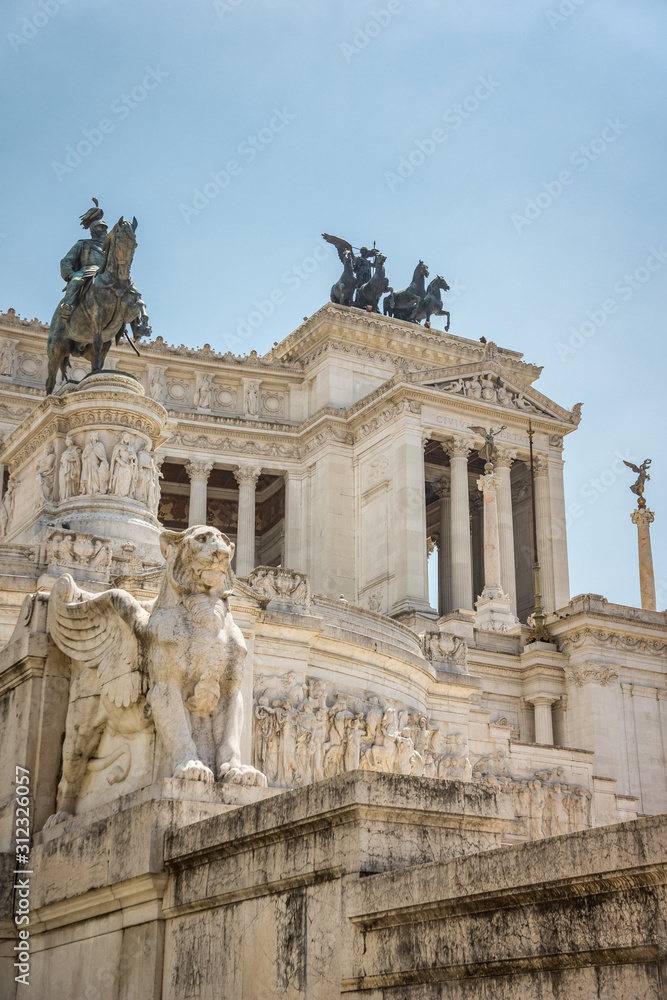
(643,518)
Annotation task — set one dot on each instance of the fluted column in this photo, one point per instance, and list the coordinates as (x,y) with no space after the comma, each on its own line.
(292,554)
(461,564)
(543,525)
(246,477)
(408,524)
(443,491)
(643,518)
(198,470)
(503,466)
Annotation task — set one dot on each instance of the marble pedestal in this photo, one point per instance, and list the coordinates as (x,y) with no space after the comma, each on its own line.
(99,436)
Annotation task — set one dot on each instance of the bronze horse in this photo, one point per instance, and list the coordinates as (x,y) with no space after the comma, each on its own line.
(106,304)
(368,295)
(405,303)
(431,304)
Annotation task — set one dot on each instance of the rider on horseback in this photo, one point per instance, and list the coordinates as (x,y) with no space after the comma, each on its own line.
(84,259)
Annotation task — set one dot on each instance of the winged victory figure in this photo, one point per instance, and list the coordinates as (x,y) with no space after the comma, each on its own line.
(486,451)
(642,471)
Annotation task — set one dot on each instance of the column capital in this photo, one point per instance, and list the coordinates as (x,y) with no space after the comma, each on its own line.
(247,475)
(198,468)
(489,483)
(542,699)
(643,516)
(442,488)
(540,465)
(504,458)
(457,447)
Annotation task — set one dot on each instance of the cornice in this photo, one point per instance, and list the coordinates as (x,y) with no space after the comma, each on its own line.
(388,332)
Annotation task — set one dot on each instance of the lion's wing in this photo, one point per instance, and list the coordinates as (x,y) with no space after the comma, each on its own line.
(101,631)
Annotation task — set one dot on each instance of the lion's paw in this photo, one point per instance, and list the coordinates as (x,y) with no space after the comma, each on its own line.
(242,774)
(195,771)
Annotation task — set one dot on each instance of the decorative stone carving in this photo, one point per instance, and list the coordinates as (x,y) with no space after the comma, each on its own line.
(95,472)
(544,803)
(123,468)
(377,469)
(7,357)
(226,398)
(273,403)
(642,516)
(157,387)
(181,655)
(251,399)
(69,476)
(442,488)
(45,472)
(596,673)
(146,479)
(70,549)
(203,392)
(490,388)
(7,506)
(616,640)
(446,650)
(503,458)
(306,730)
(284,588)
(458,447)
(375,601)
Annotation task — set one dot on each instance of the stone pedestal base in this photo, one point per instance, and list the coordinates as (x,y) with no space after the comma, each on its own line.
(494,614)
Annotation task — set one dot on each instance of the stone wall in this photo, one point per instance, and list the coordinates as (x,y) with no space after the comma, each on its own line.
(361,886)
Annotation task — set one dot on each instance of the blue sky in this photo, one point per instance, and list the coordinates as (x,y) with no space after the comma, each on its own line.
(531,139)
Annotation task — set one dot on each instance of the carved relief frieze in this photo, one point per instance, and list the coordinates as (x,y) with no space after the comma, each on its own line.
(544,803)
(305,730)
(77,549)
(615,640)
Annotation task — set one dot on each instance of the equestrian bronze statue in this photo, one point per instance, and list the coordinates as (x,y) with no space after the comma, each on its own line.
(100,297)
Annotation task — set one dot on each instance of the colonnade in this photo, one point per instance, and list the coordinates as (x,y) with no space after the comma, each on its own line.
(455,553)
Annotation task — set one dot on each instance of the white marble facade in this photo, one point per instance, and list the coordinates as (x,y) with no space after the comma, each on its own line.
(334,464)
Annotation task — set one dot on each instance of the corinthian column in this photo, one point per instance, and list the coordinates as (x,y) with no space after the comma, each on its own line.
(543,525)
(443,491)
(246,477)
(503,466)
(643,518)
(461,563)
(198,470)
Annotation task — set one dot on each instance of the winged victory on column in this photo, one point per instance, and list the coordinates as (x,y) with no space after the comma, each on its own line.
(486,451)
(100,296)
(642,472)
